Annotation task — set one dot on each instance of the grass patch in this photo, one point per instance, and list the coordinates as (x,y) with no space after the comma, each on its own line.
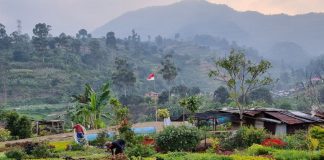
(88,153)
(203,156)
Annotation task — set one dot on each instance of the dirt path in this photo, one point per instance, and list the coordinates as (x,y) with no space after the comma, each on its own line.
(69,136)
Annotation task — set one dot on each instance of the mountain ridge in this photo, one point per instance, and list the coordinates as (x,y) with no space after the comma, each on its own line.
(249,28)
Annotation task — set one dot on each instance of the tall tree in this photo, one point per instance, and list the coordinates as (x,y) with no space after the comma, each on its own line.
(4,39)
(65,41)
(20,45)
(192,104)
(159,40)
(180,90)
(261,94)
(83,34)
(4,68)
(123,76)
(94,46)
(168,71)
(221,94)
(40,38)
(241,76)
(111,40)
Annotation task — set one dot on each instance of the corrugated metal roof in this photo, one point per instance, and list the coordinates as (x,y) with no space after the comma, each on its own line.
(252,112)
(306,116)
(284,118)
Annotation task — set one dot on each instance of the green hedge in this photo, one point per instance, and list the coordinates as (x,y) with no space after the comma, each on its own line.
(181,138)
(296,154)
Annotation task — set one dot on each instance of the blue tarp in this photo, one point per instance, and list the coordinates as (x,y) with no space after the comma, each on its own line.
(143,130)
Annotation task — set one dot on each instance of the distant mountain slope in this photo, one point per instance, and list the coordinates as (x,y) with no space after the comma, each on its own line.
(190,18)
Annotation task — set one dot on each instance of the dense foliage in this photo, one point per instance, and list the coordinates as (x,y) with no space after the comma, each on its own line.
(140,150)
(4,135)
(243,138)
(16,153)
(181,138)
(297,141)
(19,126)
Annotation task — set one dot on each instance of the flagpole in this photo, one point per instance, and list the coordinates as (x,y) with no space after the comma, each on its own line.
(155,99)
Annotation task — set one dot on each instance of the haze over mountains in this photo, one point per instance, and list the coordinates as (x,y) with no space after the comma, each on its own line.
(272,35)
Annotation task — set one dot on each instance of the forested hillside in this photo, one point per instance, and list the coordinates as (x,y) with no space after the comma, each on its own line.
(45,71)
(40,68)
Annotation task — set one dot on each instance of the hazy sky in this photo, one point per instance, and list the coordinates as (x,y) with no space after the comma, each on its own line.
(71,15)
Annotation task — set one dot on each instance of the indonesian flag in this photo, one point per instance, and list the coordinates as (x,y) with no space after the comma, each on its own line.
(150,77)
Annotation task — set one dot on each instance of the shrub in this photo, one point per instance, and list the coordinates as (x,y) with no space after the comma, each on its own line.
(16,153)
(322,154)
(4,135)
(139,150)
(256,150)
(297,141)
(101,139)
(243,138)
(126,133)
(163,113)
(215,144)
(317,132)
(181,138)
(43,150)
(25,127)
(76,147)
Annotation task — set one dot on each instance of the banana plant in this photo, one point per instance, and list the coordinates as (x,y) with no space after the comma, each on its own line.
(90,106)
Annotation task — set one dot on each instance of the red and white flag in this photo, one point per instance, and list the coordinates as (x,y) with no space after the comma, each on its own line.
(151,77)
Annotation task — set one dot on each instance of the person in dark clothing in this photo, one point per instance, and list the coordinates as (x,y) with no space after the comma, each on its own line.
(116,147)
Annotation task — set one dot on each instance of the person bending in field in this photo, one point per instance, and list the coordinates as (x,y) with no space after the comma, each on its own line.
(116,147)
(78,128)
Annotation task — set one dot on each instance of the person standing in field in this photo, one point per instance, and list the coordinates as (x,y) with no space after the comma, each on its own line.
(79,129)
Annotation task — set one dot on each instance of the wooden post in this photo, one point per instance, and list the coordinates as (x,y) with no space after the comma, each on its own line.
(52,127)
(37,128)
(214,124)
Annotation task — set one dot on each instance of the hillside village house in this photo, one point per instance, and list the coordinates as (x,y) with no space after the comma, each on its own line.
(277,121)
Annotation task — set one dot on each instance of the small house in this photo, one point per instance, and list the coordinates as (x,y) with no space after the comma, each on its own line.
(276,121)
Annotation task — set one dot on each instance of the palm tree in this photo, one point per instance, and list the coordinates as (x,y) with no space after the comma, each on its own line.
(90,106)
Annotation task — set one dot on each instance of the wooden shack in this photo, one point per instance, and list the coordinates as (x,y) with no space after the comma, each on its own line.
(52,126)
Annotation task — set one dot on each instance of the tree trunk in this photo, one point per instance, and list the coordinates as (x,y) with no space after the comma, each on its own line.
(241,119)
(241,112)
(4,85)
(183,115)
(5,90)
(169,94)
(43,57)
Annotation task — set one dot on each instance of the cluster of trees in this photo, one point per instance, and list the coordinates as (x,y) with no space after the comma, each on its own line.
(20,127)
